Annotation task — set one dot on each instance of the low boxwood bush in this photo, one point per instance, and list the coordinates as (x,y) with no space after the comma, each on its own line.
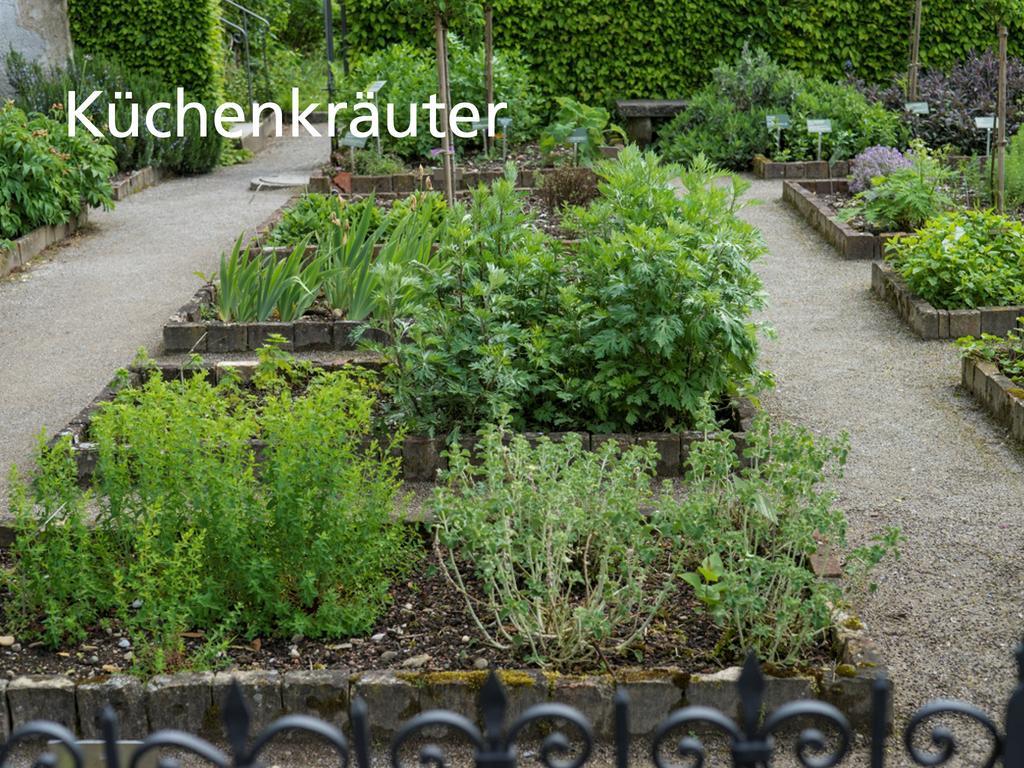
(726,120)
(964,260)
(46,176)
(567,556)
(194,533)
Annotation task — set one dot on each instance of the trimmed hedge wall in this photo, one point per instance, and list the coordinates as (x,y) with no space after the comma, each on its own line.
(179,41)
(601,50)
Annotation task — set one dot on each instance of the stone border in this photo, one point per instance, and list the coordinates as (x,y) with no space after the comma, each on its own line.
(851,244)
(138,180)
(402,184)
(28,247)
(808,169)
(191,701)
(1003,399)
(930,323)
(421,455)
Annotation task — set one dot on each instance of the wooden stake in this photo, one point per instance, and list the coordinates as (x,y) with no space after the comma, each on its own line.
(488,58)
(1001,122)
(915,52)
(442,88)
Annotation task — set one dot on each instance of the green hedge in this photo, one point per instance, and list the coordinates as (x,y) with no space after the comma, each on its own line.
(601,50)
(177,40)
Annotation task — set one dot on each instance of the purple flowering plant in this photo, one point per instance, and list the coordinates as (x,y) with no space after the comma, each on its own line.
(874,162)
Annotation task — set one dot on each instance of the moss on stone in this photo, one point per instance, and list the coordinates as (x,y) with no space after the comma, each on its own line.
(846,670)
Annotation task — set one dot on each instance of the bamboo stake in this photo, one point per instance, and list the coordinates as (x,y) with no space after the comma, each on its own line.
(1001,122)
(915,52)
(442,88)
(488,59)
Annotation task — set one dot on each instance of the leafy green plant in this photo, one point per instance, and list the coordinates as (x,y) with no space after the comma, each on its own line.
(906,198)
(253,285)
(573,116)
(552,537)
(313,213)
(190,536)
(1015,172)
(1005,351)
(47,176)
(963,260)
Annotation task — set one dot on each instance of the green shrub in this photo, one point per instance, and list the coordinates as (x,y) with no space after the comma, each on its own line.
(178,42)
(194,536)
(46,176)
(906,198)
(412,77)
(553,538)
(601,50)
(726,120)
(1015,172)
(963,260)
(571,116)
(627,333)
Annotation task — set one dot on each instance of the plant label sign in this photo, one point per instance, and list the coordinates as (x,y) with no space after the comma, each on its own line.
(376,86)
(355,142)
(579,136)
(778,122)
(917,107)
(819,126)
(985,123)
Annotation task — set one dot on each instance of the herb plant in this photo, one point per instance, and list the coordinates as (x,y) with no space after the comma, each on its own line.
(1005,351)
(875,163)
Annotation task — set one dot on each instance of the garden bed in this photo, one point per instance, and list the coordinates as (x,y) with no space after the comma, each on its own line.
(421,455)
(806,198)
(931,323)
(29,246)
(401,184)
(136,181)
(810,169)
(1000,396)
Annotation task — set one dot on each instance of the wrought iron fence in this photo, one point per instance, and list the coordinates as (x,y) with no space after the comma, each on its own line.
(751,740)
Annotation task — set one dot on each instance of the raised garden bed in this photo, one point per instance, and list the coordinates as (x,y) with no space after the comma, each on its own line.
(421,455)
(136,181)
(806,198)
(401,184)
(809,169)
(1000,396)
(29,246)
(931,323)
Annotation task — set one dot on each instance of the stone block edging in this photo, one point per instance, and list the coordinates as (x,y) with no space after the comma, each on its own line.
(138,180)
(421,455)
(191,701)
(930,323)
(402,184)
(27,247)
(1003,399)
(806,169)
(851,244)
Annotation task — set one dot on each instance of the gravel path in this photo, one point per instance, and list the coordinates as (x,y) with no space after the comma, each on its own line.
(81,312)
(948,615)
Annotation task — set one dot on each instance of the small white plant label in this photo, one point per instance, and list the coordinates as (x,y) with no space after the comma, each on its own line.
(819,126)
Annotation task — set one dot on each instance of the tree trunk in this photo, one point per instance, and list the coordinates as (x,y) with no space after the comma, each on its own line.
(442,91)
(1001,124)
(915,52)
(488,59)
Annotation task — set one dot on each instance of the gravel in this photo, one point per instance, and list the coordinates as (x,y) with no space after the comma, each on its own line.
(947,615)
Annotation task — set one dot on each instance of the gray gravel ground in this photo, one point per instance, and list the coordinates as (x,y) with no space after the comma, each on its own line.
(81,312)
(949,613)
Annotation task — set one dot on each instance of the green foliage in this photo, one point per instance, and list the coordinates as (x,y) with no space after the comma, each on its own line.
(601,50)
(627,332)
(726,120)
(963,260)
(46,176)
(412,77)
(553,537)
(572,116)
(312,214)
(189,527)
(1015,172)
(178,42)
(746,534)
(1006,352)
(253,286)
(906,198)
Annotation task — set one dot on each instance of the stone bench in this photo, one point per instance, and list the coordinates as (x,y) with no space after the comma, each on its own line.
(640,114)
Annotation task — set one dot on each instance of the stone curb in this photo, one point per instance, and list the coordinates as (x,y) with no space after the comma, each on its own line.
(1003,399)
(27,247)
(421,456)
(851,244)
(138,180)
(809,169)
(930,323)
(192,701)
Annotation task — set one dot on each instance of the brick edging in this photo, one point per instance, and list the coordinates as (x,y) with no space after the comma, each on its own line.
(930,323)
(138,180)
(401,184)
(191,701)
(851,244)
(1003,399)
(806,169)
(28,247)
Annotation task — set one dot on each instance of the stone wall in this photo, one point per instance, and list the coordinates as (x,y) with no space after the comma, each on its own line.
(37,29)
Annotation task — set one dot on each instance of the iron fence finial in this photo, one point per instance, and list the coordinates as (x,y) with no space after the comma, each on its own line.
(493,704)
(751,689)
(237,718)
